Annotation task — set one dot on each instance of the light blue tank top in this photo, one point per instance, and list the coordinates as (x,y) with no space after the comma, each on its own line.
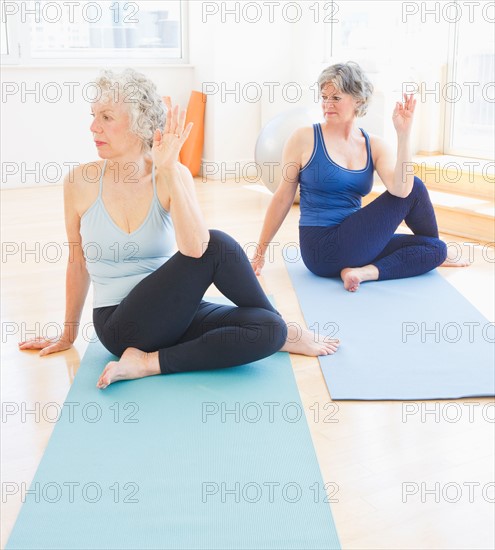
(329,193)
(117,261)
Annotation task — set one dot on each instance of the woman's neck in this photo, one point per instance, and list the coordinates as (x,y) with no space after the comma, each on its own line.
(131,168)
(343,130)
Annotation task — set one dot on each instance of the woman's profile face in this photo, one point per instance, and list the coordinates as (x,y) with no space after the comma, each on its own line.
(336,105)
(110,129)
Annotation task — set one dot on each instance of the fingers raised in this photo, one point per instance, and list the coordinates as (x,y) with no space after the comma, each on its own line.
(157,138)
(186,133)
(182,122)
(175,119)
(168,105)
(168,102)
(409,102)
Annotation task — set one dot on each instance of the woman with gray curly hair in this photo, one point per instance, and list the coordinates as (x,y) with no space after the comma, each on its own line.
(335,163)
(125,226)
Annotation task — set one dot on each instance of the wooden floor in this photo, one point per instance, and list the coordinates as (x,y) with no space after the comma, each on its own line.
(368,452)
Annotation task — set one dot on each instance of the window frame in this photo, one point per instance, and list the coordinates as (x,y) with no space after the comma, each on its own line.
(19,53)
(333,52)
(11,30)
(449,107)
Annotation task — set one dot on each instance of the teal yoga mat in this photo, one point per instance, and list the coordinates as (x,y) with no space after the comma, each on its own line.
(221,459)
(406,339)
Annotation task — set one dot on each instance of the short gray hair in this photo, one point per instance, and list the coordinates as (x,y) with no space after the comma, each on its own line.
(146,110)
(348,78)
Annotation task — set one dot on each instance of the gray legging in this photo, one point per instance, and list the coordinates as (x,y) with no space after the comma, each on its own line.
(165,312)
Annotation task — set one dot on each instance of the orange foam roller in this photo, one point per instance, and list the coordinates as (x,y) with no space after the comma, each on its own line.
(192,150)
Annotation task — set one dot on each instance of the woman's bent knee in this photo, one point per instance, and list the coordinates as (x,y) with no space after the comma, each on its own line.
(418,185)
(223,246)
(276,331)
(442,251)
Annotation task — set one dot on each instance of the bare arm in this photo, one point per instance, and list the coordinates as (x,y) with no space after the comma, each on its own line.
(191,231)
(76,281)
(282,199)
(77,277)
(190,228)
(396,172)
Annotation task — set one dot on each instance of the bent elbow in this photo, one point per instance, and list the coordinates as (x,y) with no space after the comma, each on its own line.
(192,252)
(205,242)
(197,254)
(402,194)
(198,249)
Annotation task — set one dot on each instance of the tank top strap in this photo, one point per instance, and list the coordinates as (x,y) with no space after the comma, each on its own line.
(153,179)
(318,136)
(100,190)
(367,140)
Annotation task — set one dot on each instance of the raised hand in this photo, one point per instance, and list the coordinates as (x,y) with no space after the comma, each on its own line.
(403,115)
(167,144)
(46,345)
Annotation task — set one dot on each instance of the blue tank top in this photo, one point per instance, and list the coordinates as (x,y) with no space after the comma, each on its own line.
(328,192)
(117,261)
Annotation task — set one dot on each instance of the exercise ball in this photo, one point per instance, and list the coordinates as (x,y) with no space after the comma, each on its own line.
(271,141)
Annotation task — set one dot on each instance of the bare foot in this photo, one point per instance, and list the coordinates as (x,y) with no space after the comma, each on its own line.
(455,262)
(353,276)
(453,259)
(134,363)
(461,262)
(304,342)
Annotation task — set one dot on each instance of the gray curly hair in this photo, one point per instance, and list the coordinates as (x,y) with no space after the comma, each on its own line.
(145,106)
(349,78)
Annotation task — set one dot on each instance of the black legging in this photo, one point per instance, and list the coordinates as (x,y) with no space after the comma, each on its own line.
(165,312)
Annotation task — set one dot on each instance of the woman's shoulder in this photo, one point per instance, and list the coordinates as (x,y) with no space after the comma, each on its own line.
(302,136)
(84,175)
(377,144)
(374,139)
(304,131)
(81,185)
(379,148)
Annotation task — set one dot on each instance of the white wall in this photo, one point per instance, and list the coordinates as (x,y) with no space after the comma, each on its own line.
(229,51)
(238,57)
(225,54)
(42,134)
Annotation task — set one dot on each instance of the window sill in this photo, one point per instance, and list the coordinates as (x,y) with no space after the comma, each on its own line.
(98,64)
(477,166)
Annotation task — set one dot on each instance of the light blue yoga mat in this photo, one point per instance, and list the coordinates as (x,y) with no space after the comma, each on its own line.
(166,470)
(415,338)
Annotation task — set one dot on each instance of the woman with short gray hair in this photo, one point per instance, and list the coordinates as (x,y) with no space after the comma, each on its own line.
(336,161)
(350,79)
(148,306)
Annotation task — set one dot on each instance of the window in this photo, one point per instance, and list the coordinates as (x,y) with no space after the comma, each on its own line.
(405,43)
(9,49)
(88,31)
(373,32)
(4,46)
(470,106)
